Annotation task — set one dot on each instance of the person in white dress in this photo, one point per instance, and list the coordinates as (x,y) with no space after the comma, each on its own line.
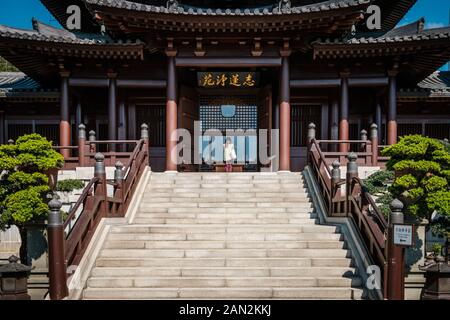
(229,155)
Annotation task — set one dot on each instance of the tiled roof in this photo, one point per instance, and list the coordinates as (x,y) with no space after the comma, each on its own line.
(437,85)
(16,81)
(19,86)
(175,8)
(46,33)
(409,33)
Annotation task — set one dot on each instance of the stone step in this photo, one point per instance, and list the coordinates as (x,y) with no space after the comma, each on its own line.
(237,209)
(230,204)
(222,293)
(226,253)
(218,220)
(240,215)
(223,262)
(136,244)
(174,199)
(225,236)
(230,282)
(217,229)
(232,195)
(223,272)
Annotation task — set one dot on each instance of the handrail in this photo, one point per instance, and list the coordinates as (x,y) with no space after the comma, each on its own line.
(380,217)
(96,204)
(80,201)
(357,201)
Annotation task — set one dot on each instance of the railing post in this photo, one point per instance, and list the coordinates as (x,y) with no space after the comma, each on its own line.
(395,255)
(101,186)
(311,136)
(363,137)
(118,179)
(335,179)
(352,172)
(56,251)
(10,141)
(92,139)
(144,135)
(374,140)
(82,145)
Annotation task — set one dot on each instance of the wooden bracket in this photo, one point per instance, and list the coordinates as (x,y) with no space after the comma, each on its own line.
(286,50)
(257,49)
(199,50)
(170,50)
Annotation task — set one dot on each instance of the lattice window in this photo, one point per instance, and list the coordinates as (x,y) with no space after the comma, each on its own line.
(212,117)
(301,117)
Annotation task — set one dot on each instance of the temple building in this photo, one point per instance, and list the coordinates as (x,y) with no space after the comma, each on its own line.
(230,65)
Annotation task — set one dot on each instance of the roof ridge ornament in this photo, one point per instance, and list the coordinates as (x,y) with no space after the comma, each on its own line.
(284,6)
(172,6)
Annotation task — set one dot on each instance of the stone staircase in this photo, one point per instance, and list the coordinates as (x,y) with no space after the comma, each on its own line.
(224,236)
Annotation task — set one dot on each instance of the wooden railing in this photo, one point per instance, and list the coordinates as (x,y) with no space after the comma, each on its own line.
(349,198)
(69,240)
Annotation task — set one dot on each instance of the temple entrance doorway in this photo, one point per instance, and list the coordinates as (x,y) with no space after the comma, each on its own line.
(222,114)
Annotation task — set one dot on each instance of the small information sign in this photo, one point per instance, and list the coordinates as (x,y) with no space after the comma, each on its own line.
(404,235)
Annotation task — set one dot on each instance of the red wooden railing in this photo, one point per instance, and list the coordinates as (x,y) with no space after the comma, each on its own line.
(93,205)
(349,198)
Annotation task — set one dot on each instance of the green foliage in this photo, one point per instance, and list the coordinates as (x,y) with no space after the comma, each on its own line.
(422,169)
(24,180)
(378,185)
(378,182)
(69,185)
(5,66)
(437,248)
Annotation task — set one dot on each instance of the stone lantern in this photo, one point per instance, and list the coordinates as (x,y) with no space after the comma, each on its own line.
(437,286)
(14,280)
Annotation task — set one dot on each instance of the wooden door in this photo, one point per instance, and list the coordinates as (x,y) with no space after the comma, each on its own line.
(188,113)
(265,115)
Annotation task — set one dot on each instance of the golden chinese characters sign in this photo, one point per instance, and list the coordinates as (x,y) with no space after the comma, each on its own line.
(228,79)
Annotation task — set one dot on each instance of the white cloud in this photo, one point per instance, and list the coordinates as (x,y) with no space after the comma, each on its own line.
(432,25)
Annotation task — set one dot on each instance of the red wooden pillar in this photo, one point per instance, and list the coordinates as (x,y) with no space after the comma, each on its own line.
(285,116)
(392,108)
(171,113)
(343,122)
(112,109)
(64,123)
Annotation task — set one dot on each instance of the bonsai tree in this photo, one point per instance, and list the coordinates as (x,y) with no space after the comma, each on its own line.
(422,170)
(25,167)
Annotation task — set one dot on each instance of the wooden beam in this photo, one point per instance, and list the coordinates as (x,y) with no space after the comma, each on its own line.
(121,83)
(336,82)
(228,62)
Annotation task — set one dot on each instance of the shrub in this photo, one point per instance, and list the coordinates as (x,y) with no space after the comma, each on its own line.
(69,185)
(377,184)
(422,169)
(24,168)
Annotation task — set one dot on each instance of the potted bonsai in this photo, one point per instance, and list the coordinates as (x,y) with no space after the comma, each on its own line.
(24,183)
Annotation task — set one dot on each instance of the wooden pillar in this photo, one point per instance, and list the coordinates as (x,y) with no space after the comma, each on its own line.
(78,116)
(122,132)
(171,113)
(392,108)
(334,119)
(112,108)
(285,116)
(64,122)
(378,117)
(131,121)
(343,122)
